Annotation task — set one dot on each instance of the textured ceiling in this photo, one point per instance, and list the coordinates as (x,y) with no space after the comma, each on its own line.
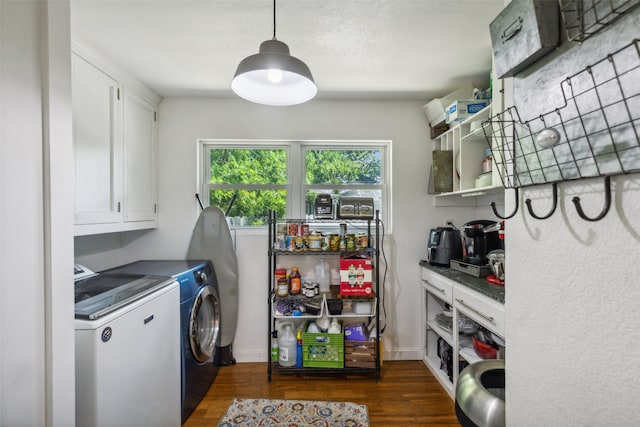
(396,49)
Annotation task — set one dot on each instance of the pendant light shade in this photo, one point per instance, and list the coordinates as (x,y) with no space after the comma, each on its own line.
(273,76)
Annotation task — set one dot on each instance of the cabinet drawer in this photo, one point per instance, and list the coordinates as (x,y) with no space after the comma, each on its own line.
(482,309)
(438,285)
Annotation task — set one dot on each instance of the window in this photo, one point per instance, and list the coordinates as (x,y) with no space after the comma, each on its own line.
(247,179)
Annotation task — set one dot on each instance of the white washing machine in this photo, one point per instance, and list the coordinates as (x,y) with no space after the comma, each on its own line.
(127,337)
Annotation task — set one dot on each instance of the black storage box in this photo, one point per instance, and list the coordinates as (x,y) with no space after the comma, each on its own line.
(334,306)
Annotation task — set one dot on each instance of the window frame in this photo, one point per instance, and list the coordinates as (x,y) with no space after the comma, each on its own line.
(296,185)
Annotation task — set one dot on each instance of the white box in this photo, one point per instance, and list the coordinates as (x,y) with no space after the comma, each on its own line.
(435,110)
(462,109)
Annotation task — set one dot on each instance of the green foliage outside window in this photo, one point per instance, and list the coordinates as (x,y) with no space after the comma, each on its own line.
(247,183)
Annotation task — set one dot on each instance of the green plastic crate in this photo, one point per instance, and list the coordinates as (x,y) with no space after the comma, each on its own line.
(322,350)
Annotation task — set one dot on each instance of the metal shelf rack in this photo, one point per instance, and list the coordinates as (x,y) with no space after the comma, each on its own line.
(373,232)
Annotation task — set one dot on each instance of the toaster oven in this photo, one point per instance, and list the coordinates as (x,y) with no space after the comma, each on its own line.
(355,208)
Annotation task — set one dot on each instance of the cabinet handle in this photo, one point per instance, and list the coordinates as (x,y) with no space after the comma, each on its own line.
(118,206)
(434,286)
(484,316)
(513,29)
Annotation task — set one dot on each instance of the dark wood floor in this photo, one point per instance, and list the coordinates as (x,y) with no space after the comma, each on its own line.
(407,395)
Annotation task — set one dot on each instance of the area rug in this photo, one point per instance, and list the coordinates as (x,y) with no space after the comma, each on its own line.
(294,413)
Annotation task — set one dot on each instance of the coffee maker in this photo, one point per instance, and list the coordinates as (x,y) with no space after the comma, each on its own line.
(480,237)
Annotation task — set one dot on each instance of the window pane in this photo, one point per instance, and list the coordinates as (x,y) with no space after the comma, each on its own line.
(248,166)
(342,167)
(249,207)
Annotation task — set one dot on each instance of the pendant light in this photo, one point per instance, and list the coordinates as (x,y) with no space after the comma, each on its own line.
(273,76)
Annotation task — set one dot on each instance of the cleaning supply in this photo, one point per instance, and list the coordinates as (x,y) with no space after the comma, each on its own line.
(299,350)
(287,346)
(275,348)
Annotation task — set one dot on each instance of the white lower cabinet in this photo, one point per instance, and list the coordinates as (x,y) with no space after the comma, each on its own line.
(115,149)
(449,307)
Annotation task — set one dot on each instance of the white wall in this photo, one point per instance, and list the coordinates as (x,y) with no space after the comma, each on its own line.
(183,121)
(36,214)
(572,295)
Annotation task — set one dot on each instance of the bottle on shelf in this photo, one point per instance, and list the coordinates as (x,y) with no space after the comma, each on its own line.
(287,346)
(323,275)
(275,348)
(299,350)
(295,282)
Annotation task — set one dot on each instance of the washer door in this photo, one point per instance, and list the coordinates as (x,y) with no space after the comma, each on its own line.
(204,324)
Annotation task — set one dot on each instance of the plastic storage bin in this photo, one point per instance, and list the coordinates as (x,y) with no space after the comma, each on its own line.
(323,350)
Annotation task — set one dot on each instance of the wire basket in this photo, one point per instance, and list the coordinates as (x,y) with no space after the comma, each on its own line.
(595,133)
(584,18)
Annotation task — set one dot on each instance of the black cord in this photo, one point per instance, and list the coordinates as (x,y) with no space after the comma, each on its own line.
(384,281)
(274,19)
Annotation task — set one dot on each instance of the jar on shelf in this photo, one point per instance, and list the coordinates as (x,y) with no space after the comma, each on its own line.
(279,274)
(282,288)
(334,242)
(315,242)
(487,163)
(350,242)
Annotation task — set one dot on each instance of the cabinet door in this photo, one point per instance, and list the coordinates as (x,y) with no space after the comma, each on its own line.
(140,158)
(97,145)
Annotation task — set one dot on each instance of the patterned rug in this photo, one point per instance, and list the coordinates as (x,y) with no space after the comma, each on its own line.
(294,413)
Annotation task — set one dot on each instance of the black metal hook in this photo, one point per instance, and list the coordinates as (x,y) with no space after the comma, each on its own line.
(515,211)
(553,208)
(607,202)
(199,201)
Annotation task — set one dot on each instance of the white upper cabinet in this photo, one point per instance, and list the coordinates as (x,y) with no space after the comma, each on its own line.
(97,145)
(140,158)
(115,133)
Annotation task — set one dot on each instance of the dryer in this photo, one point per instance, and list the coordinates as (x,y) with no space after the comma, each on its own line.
(199,322)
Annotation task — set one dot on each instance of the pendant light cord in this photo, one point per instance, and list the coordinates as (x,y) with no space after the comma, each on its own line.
(274,19)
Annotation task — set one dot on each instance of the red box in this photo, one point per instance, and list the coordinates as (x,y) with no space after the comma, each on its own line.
(356,276)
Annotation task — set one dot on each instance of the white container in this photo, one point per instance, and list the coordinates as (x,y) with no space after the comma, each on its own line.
(362,307)
(435,110)
(287,343)
(323,275)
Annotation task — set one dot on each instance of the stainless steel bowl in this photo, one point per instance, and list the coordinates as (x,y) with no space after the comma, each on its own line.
(496,262)
(480,394)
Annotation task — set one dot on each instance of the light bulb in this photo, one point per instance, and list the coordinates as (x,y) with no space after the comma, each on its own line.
(274,75)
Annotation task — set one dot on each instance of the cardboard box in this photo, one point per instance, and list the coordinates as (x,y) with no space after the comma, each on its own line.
(356,276)
(464,108)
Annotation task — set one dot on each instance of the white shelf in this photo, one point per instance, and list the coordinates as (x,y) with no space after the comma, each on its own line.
(433,363)
(440,331)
